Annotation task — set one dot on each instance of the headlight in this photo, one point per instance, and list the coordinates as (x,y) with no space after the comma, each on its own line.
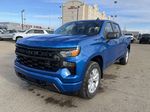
(70,53)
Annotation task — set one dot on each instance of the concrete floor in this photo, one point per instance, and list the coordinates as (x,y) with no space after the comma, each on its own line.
(124,88)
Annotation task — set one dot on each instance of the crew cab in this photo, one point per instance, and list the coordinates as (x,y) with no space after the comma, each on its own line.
(72,60)
(29,33)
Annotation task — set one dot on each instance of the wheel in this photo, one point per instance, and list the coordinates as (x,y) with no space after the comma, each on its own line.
(91,81)
(17,38)
(124,60)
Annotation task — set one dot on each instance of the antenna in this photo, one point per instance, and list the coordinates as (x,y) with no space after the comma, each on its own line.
(98,18)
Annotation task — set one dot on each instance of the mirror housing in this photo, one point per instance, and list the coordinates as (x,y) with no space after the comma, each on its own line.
(111,35)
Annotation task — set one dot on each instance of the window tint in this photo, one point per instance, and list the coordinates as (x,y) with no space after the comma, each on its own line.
(12,31)
(39,31)
(146,35)
(128,34)
(108,29)
(49,31)
(80,28)
(117,29)
(30,32)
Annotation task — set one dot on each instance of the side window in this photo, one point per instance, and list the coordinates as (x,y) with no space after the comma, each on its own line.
(30,32)
(116,29)
(108,29)
(39,31)
(49,31)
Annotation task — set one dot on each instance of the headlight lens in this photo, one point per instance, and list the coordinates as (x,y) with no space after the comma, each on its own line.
(71,53)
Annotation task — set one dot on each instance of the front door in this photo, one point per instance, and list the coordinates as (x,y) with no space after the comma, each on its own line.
(111,46)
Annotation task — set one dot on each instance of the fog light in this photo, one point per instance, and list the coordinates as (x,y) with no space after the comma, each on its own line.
(71,67)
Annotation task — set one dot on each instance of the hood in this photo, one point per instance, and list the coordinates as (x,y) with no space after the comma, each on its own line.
(52,41)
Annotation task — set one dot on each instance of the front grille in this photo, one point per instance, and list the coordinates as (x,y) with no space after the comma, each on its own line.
(43,59)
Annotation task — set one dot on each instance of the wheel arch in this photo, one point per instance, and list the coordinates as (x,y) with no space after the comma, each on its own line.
(19,37)
(99,60)
(129,47)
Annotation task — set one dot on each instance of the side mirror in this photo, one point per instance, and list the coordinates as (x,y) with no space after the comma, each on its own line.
(111,35)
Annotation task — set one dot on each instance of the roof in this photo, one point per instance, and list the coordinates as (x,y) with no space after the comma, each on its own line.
(94,20)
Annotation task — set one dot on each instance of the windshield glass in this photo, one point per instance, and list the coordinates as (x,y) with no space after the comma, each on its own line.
(146,35)
(128,34)
(80,28)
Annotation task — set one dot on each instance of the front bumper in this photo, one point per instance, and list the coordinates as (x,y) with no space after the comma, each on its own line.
(60,79)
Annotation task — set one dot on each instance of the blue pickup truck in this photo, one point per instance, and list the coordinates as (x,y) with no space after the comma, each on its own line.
(72,60)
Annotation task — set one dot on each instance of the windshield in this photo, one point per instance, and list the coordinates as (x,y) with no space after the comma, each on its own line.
(80,28)
(128,34)
(146,35)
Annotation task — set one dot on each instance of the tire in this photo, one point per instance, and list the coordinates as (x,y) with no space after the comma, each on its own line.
(17,38)
(132,41)
(124,60)
(140,42)
(87,91)
(1,39)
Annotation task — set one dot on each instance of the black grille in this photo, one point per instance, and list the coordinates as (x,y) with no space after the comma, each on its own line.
(43,59)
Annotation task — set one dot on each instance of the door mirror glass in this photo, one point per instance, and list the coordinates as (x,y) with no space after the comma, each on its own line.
(111,35)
